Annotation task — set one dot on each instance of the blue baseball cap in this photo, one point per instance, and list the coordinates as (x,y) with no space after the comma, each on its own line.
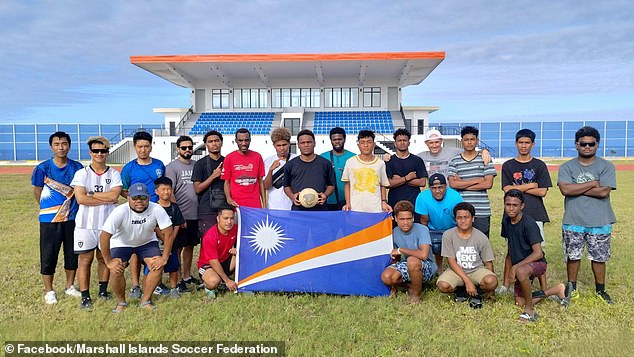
(138,189)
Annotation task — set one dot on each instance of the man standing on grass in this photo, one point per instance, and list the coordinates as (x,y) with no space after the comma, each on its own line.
(365,178)
(412,253)
(471,177)
(470,257)
(529,175)
(51,185)
(130,230)
(97,189)
(526,256)
(180,172)
(586,183)
(274,168)
(242,172)
(406,172)
(338,157)
(435,206)
(308,171)
(144,169)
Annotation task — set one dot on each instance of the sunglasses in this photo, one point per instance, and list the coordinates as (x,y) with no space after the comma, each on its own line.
(186,148)
(100,151)
(137,198)
(583,144)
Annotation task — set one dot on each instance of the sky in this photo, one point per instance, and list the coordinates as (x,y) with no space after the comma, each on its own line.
(69,61)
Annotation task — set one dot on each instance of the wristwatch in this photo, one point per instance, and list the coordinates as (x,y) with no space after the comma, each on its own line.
(90,193)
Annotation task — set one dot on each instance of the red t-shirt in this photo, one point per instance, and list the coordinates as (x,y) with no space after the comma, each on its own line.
(216,245)
(242,172)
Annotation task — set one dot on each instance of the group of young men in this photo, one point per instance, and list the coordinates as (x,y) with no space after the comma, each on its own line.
(189,202)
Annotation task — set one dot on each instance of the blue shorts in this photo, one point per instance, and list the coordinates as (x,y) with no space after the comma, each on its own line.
(147,250)
(436,241)
(171,266)
(428,269)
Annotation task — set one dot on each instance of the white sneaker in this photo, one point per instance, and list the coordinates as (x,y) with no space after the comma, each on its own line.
(50,297)
(72,292)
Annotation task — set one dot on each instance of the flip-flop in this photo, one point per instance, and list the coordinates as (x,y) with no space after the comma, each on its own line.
(526,317)
(116,310)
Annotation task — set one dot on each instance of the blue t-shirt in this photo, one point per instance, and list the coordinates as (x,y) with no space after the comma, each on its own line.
(338,163)
(413,239)
(57,201)
(134,173)
(440,212)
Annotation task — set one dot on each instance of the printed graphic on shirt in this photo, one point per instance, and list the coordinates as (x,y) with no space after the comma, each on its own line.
(466,257)
(523,177)
(365,179)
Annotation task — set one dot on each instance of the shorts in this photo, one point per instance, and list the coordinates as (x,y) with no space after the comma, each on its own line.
(226,267)
(86,240)
(188,236)
(483,224)
(538,268)
(147,250)
(428,269)
(436,241)
(172,265)
(205,222)
(596,239)
(52,236)
(453,279)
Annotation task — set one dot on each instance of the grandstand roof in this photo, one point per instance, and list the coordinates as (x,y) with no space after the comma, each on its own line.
(407,68)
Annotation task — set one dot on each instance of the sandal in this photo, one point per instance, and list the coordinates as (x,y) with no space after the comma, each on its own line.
(538,294)
(147,305)
(120,307)
(526,317)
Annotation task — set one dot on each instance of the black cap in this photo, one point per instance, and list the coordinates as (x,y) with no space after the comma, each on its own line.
(437,177)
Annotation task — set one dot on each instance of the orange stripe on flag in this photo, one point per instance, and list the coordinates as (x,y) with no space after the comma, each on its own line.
(373,233)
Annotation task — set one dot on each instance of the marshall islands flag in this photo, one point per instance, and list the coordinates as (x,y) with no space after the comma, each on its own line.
(315,252)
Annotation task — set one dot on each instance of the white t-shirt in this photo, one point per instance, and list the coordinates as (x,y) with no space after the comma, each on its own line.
(277,199)
(366,179)
(132,229)
(92,217)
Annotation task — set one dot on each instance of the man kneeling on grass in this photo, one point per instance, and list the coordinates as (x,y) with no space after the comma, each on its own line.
(128,230)
(218,253)
(526,254)
(412,245)
(470,259)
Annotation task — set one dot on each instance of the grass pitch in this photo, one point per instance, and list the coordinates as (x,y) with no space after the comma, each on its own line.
(331,325)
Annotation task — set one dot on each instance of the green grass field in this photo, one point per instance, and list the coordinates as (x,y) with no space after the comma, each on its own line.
(331,325)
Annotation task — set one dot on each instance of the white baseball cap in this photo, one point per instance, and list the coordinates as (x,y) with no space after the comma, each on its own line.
(433,134)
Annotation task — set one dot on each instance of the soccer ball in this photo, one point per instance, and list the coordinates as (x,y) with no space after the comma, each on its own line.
(308,197)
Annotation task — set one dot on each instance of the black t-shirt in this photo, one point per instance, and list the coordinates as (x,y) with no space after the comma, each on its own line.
(521,237)
(175,214)
(202,170)
(316,174)
(401,167)
(519,173)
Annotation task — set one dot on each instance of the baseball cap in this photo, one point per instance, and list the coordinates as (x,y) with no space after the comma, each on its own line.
(437,179)
(138,189)
(433,134)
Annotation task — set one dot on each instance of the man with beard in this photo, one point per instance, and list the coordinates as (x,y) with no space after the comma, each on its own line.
(586,183)
(180,172)
(406,172)
(209,188)
(338,157)
(130,230)
(242,171)
(308,171)
(274,168)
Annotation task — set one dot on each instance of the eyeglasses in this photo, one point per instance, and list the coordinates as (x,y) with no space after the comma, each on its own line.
(186,148)
(100,151)
(583,144)
(139,198)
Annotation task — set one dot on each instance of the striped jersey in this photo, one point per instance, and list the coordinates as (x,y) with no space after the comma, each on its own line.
(468,170)
(92,217)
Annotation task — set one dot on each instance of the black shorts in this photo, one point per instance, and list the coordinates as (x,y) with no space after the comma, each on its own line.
(187,237)
(52,236)
(226,267)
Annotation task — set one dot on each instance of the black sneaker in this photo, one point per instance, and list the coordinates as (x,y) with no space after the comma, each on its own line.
(461,294)
(86,304)
(105,296)
(605,297)
(182,287)
(192,281)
